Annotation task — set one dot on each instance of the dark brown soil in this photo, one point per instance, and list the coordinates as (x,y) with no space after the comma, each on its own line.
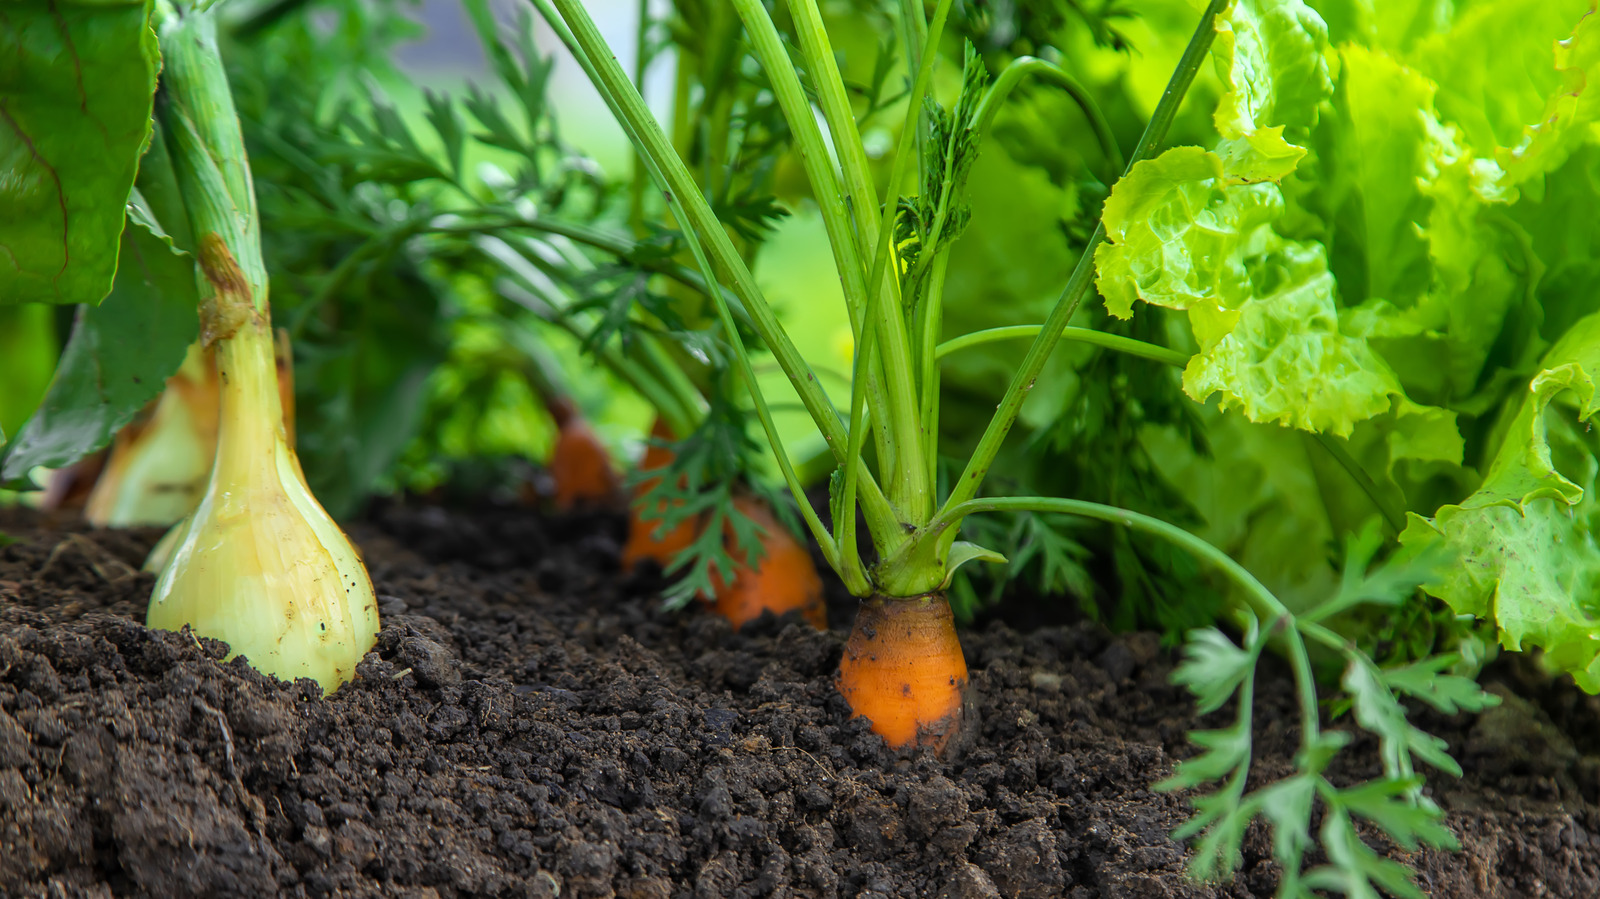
(531,724)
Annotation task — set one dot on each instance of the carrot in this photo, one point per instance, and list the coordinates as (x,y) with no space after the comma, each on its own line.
(580,465)
(903,669)
(785,578)
(643,541)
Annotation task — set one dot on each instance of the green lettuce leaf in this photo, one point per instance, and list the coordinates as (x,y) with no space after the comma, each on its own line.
(1529,559)
(1379,154)
(1284,359)
(1393,25)
(77,82)
(1177,231)
(1270,57)
(117,360)
(1570,111)
(1411,248)
(1263,309)
(1506,79)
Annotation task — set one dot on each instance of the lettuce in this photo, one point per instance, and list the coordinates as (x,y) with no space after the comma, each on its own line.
(1529,559)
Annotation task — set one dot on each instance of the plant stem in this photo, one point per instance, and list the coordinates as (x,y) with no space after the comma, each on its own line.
(1394,515)
(1090,336)
(910,489)
(206,145)
(636,184)
(881,256)
(932,328)
(1022,67)
(1267,607)
(691,208)
(1082,275)
(898,430)
(916,36)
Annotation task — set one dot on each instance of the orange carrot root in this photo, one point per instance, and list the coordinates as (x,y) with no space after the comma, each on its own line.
(643,542)
(785,579)
(581,467)
(903,669)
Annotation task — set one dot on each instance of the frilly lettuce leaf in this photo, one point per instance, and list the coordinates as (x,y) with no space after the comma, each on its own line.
(1379,153)
(1176,229)
(1285,360)
(1514,75)
(1413,254)
(1529,560)
(1270,58)
(1570,111)
(1262,308)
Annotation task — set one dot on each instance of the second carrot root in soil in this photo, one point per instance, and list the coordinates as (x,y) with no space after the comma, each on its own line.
(784,578)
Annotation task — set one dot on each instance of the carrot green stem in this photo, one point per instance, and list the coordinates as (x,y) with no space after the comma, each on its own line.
(1022,67)
(691,209)
(1274,615)
(880,269)
(1082,277)
(636,184)
(1392,514)
(1079,335)
(899,432)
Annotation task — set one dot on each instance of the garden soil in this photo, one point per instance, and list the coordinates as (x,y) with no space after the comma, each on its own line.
(532,724)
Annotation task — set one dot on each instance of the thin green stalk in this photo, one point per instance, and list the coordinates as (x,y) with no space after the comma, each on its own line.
(932,328)
(904,476)
(683,65)
(206,145)
(1082,278)
(1022,67)
(844,523)
(1273,613)
(1394,515)
(915,27)
(881,253)
(695,213)
(690,206)
(648,368)
(1126,345)
(826,188)
(636,185)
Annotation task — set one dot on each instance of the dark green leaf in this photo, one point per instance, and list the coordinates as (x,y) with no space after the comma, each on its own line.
(76,87)
(118,358)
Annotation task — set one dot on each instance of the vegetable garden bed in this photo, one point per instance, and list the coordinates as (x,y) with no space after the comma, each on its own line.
(532,724)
